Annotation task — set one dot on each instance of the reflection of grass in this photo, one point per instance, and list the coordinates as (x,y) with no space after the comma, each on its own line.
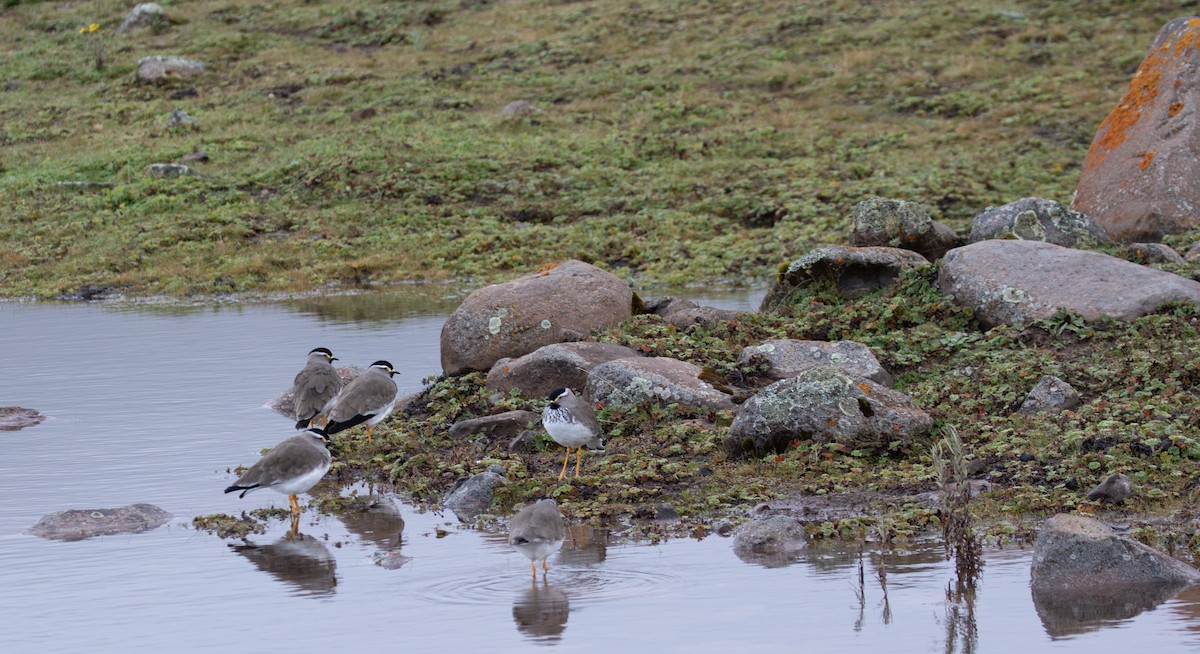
(682,140)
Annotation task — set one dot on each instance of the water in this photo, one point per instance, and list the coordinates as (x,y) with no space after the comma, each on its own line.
(154,404)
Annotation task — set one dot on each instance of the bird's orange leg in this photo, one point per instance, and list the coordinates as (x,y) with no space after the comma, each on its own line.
(563,475)
(578,456)
(533,570)
(368,434)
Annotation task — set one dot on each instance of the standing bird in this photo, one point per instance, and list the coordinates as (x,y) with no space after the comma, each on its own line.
(291,467)
(368,398)
(316,387)
(537,531)
(571,422)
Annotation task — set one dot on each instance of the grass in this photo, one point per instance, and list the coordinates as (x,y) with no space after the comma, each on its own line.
(360,142)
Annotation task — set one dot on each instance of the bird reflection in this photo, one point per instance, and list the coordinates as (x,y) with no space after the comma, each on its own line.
(540,613)
(376,522)
(584,545)
(297,560)
(1069,613)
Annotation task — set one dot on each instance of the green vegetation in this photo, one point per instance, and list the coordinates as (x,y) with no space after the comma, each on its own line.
(358,142)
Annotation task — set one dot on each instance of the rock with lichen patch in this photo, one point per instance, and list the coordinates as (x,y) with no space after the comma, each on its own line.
(146,14)
(783,358)
(13,418)
(826,405)
(773,542)
(657,380)
(853,270)
(1050,394)
(160,68)
(474,495)
(1035,219)
(900,224)
(78,524)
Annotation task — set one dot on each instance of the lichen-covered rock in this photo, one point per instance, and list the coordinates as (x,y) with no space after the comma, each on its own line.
(519,109)
(855,271)
(505,425)
(785,358)
(168,170)
(1008,282)
(1113,490)
(1078,554)
(659,380)
(1050,394)
(900,224)
(159,68)
(772,542)
(78,524)
(560,304)
(142,15)
(683,313)
(822,405)
(1148,253)
(1035,219)
(473,496)
(560,365)
(13,418)
(1139,176)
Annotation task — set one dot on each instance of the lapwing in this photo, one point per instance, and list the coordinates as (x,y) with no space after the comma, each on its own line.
(316,387)
(571,422)
(291,467)
(368,398)
(537,531)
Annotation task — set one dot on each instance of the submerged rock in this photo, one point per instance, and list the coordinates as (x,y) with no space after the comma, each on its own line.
(1050,394)
(1035,219)
(785,358)
(559,365)
(473,496)
(900,224)
(855,271)
(772,542)
(1081,555)
(78,524)
(659,380)
(13,418)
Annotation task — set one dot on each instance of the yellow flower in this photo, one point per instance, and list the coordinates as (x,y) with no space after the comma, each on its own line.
(93,27)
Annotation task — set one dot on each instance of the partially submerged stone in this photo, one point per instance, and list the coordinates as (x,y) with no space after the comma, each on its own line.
(772,542)
(559,365)
(785,358)
(1113,490)
(658,380)
(853,270)
(1035,219)
(1008,282)
(562,303)
(159,68)
(13,418)
(900,224)
(1050,394)
(505,425)
(824,405)
(78,524)
(474,495)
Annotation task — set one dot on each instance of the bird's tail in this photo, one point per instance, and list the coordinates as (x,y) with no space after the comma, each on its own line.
(244,489)
(334,426)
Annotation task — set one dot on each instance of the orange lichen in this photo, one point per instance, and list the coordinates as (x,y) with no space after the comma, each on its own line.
(1147,157)
(864,387)
(546,268)
(1174,108)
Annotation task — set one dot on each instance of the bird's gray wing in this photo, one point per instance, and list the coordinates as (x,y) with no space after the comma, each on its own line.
(291,458)
(366,395)
(315,385)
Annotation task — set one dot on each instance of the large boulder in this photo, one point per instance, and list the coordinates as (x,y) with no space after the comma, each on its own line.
(822,405)
(900,224)
(1138,177)
(1008,282)
(560,365)
(512,319)
(1035,219)
(785,358)
(78,524)
(1078,554)
(855,271)
(660,380)
(13,418)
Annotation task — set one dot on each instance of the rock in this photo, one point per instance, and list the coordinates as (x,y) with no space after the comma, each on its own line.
(975,488)
(180,118)
(684,313)
(390,560)
(771,542)
(822,405)
(526,441)
(1035,219)
(1148,253)
(473,496)
(168,170)
(505,425)
(143,15)
(1138,178)
(1080,555)
(900,224)
(78,524)
(855,271)
(787,358)
(1050,394)
(562,303)
(660,380)
(560,365)
(519,109)
(1193,252)
(160,68)
(1009,282)
(13,418)
(1113,490)
(285,403)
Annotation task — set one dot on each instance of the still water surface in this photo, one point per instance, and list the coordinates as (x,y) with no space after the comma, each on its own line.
(155,404)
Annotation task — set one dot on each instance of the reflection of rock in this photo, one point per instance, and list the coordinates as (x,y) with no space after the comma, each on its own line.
(377,521)
(772,542)
(1064,613)
(541,613)
(297,560)
(78,524)
(13,418)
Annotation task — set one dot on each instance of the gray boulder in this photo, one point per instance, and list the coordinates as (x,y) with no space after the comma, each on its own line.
(160,68)
(1148,253)
(660,380)
(771,542)
(144,15)
(855,271)
(683,313)
(1050,394)
(519,109)
(560,365)
(13,418)
(473,496)
(1035,219)
(512,319)
(1009,282)
(824,404)
(78,524)
(505,425)
(900,224)
(785,358)
(1081,555)
(1113,490)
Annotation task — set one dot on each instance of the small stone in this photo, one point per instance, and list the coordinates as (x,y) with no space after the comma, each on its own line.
(1148,253)
(180,118)
(142,15)
(13,418)
(78,524)
(159,68)
(473,496)
(169,170)
(519,109)
(772,542)
(1050,394)
(502,425)
(1113,490)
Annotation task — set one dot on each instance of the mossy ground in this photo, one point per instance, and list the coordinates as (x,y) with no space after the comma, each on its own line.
(360,142)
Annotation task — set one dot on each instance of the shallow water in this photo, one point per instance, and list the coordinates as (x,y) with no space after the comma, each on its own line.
(156,404)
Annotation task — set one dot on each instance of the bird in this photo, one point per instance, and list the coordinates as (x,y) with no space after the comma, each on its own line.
(316,387)
(571,423)
(291,467)
(537,531)
(368,398)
